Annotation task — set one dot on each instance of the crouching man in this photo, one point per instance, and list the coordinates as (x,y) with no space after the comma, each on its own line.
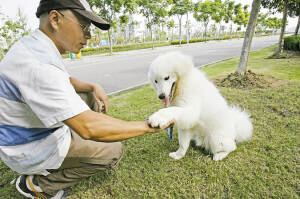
(49,133)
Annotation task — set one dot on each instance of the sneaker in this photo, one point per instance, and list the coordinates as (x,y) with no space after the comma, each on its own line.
(27,188)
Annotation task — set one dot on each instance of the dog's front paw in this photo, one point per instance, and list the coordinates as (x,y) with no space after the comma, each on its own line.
(176,155)
(161,118)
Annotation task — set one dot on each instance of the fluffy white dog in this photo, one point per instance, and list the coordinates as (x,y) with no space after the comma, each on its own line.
(197,107)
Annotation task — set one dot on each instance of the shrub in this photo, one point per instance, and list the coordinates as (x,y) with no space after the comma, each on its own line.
(124,47)
(190,41)
(292,43)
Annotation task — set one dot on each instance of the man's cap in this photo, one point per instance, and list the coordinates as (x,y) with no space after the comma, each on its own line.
(79,6)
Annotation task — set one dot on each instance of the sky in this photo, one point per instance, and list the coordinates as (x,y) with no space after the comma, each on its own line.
(28,8)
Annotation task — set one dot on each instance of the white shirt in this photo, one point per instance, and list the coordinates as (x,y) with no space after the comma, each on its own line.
(35,97)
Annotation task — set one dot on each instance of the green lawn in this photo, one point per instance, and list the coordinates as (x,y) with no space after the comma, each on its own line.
(264,167)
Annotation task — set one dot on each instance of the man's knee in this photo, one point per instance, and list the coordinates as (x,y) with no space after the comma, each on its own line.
(108,155)
(117,153)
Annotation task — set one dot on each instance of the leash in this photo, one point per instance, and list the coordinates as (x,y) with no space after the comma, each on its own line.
(170,132)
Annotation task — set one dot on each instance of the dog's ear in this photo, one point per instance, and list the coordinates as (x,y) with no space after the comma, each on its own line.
(182,63)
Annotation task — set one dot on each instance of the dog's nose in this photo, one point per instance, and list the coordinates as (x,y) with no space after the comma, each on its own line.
(162,96)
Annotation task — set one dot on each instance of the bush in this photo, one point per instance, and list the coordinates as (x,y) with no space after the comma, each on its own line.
(203,40)
(190,41)
(124,47)
(292,43)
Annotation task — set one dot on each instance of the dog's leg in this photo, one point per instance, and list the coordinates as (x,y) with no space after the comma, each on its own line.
(221,146)
(220,155)
(186,118)
(184,138)
(198,141)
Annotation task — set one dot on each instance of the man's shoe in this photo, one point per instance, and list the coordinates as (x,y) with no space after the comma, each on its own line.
(33,191)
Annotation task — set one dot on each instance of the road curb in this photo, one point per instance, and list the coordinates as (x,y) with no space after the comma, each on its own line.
(145,83)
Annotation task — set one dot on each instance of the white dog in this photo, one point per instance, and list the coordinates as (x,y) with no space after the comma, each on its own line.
(197,107)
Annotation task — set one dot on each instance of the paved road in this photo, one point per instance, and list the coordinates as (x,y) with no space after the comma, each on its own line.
(128,69)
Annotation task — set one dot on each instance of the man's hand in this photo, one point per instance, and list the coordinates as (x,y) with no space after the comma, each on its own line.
(100,95)
(157,129)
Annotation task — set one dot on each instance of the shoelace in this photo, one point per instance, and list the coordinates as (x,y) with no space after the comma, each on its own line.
(38,194)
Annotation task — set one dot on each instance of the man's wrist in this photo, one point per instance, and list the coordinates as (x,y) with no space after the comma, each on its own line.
(94,87)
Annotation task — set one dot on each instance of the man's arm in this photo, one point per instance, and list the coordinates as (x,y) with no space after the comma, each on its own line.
(81,86)
(98,91)
(100,127)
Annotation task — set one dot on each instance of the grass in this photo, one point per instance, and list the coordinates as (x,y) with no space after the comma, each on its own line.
(264,167)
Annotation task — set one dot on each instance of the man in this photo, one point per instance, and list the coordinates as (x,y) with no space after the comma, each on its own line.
(39,106)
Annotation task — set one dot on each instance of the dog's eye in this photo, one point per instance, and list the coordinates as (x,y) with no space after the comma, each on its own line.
(155,81)
(167,78)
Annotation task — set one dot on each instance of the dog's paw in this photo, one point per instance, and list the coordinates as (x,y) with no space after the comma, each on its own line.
(161,118)
(220,155)
(176,155)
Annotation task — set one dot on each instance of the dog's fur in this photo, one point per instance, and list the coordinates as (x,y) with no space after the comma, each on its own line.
(197,107)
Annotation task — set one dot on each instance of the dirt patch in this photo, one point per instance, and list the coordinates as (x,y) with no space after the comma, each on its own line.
(286,54)
(248,81)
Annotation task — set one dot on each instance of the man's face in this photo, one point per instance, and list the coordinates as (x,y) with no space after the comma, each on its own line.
(70,34)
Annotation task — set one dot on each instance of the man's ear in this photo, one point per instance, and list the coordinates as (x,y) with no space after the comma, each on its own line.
(55,19)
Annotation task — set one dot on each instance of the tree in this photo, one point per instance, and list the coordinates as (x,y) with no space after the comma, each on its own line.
(107,10)
(229,8)
(297,27)
(242,67)
(171,26)
(180,8)
(265,23)
(12,30)
(297,13)
(288,8)
(202,13)
(153,11)
(218,13)
(261,22)
(241,17)
(188,24)
(273,23)
(124,19)
(132,28)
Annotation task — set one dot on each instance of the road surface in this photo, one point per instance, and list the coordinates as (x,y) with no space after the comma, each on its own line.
(125,70)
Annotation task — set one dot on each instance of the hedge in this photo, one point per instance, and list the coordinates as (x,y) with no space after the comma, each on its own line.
(292,43)
(125,47)
(203,40)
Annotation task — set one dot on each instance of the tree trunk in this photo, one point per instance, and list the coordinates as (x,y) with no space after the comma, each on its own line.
(110,42)
(187,29)
(125,36)
(297,28)
(205,32)
(219,34)
(180,29)
(152,38)
(242,68)
(99,39)
(231,31)
(284,18)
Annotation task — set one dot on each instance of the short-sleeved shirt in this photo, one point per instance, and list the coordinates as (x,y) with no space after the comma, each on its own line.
(36,96)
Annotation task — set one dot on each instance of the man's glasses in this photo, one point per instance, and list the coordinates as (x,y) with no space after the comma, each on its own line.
(85,29)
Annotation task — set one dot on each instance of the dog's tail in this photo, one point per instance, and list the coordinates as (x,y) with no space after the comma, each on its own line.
(243,124)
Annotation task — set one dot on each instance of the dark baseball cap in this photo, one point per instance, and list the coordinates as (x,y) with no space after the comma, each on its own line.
(79,6)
